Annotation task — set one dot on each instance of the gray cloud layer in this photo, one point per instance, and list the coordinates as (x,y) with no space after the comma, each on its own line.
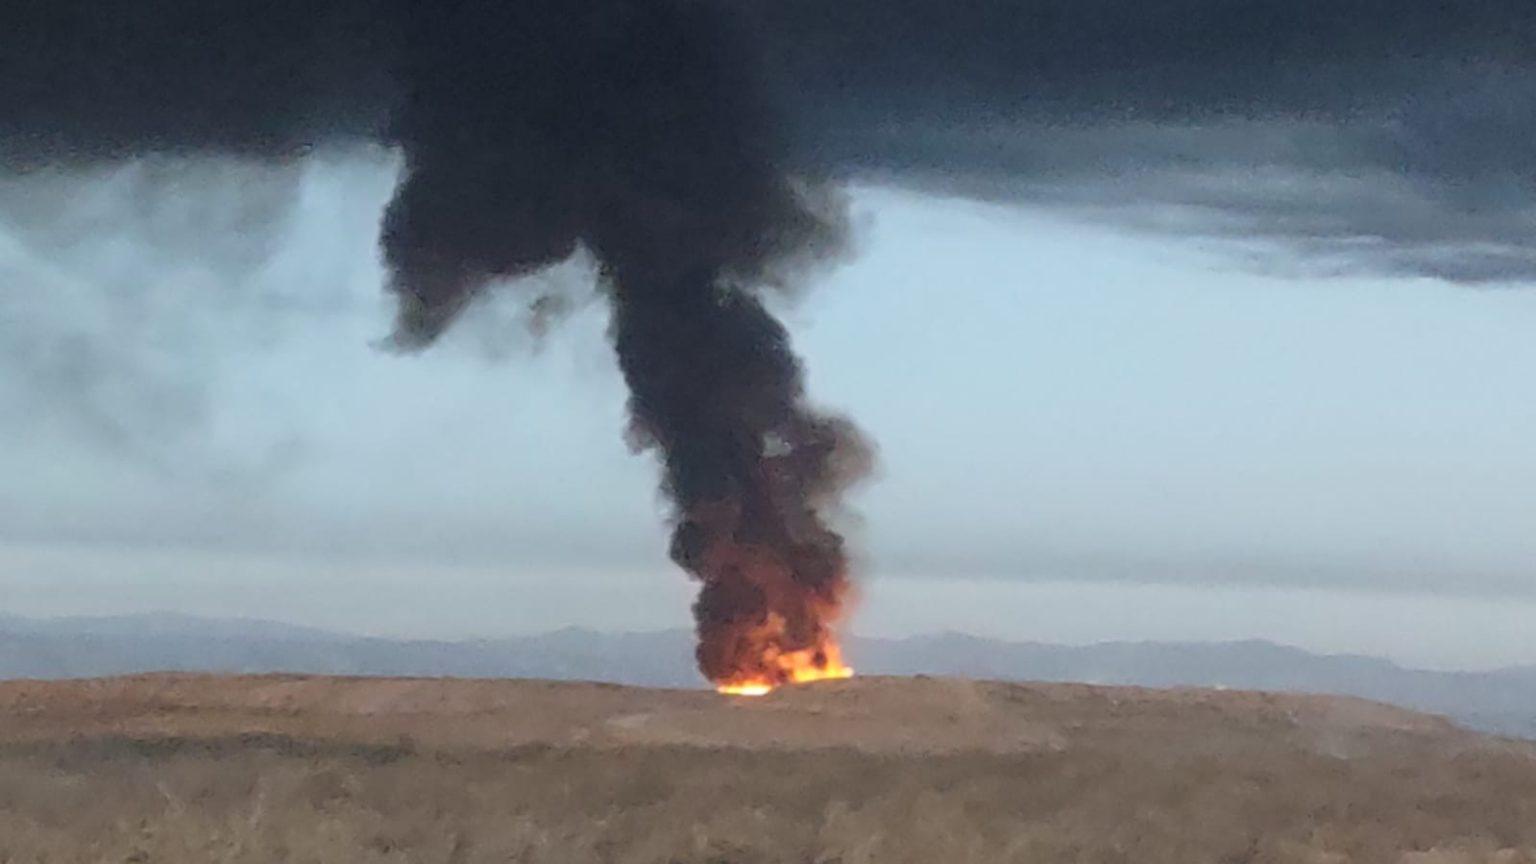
(1387,135)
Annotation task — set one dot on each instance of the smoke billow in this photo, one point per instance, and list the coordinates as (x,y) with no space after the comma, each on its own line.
(631,128)
(635,130)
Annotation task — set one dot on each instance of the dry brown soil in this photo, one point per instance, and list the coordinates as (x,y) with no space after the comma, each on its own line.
(173,768)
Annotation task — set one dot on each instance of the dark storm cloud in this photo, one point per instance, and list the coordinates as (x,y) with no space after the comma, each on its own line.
(1390,135)
(1171,59)
(92,80)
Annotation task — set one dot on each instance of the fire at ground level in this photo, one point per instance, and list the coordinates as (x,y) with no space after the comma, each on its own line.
(794,667)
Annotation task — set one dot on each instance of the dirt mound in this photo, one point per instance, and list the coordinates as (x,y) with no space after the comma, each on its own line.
(897,771)
(873,714)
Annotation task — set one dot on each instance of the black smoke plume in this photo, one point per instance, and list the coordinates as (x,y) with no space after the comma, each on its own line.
(632,128)
(635,130)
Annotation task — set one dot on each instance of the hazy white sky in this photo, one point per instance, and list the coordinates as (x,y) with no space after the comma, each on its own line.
(1084,434)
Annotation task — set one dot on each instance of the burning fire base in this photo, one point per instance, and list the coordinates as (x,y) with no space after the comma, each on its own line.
(797,667)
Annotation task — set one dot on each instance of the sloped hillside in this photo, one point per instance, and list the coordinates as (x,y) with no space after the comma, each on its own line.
(288,768)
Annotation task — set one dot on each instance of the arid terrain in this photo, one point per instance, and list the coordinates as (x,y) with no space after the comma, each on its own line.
(178,768)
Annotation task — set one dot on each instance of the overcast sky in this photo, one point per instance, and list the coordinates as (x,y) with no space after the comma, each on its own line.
(1085,432)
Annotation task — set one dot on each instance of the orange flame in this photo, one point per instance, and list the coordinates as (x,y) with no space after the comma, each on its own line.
(794,667)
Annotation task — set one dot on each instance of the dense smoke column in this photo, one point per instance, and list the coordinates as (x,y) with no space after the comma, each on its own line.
(717,391)
(634,129)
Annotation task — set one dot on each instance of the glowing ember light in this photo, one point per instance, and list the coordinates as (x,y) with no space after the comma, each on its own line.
(797,667)
(745,689)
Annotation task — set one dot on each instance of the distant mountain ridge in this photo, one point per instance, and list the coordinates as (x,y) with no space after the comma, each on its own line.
(1501,701)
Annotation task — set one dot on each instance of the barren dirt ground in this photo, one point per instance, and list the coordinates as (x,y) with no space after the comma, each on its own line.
(277,768)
